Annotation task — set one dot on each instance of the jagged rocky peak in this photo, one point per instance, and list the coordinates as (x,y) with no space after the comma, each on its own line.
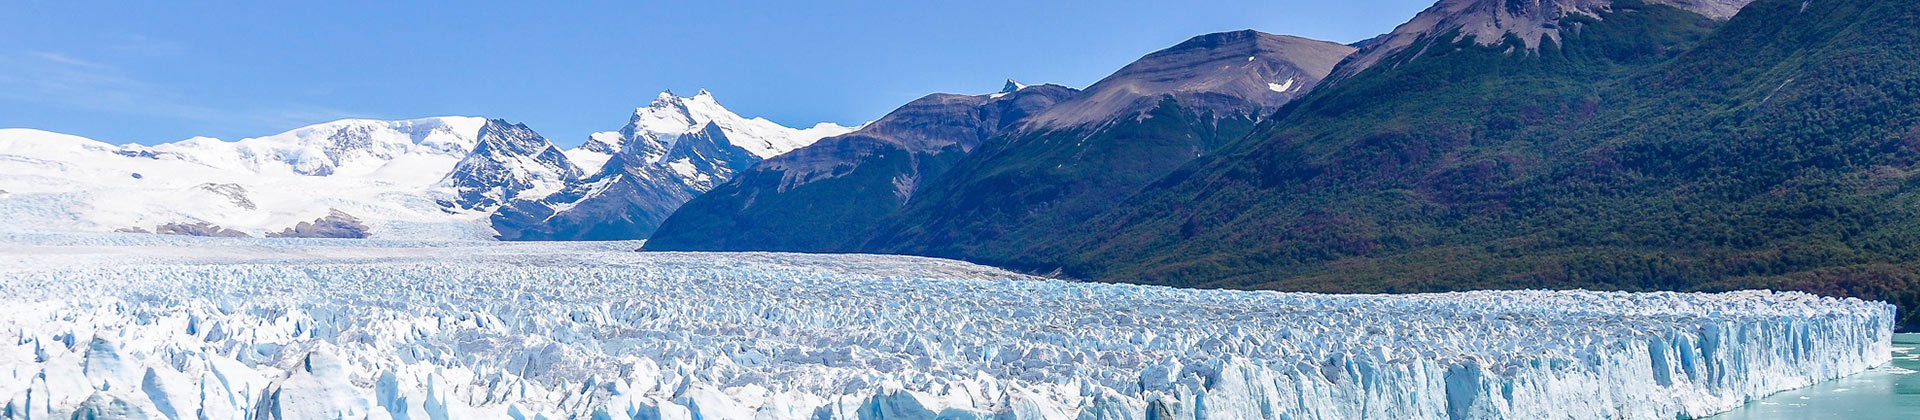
(707,156)
(1489,22)
(670,151)
(509,162)
(1012,86)
(653,129)
(1225,73)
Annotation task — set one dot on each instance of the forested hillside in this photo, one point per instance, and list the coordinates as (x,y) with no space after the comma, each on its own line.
(1649,149)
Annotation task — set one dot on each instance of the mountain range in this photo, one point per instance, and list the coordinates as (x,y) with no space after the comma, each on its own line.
(1484,144)
(670,151)
(430,178)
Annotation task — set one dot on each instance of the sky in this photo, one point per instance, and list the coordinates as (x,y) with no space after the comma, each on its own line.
(152,72)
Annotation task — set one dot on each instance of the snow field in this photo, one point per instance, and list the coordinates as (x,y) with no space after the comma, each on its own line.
(143,326)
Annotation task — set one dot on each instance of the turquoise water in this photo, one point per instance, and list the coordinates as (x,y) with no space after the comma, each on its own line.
(1888,392)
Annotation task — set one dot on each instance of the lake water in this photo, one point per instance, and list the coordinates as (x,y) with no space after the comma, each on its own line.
(1888,392)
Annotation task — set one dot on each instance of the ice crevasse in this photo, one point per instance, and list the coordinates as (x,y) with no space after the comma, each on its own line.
(292,329)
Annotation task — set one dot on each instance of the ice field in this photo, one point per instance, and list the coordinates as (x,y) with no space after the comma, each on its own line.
(156,327)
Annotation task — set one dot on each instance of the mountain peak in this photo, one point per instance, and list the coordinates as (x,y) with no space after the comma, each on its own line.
(509,161)
(653,129)
(1012,86)
(1490,22)
(1217,39)
(665,100)
(1227,73)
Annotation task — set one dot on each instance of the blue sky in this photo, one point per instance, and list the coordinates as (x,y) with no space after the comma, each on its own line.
(150,72)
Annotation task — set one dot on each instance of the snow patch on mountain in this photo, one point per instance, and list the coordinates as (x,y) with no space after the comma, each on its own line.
(1281,87)
(593,155)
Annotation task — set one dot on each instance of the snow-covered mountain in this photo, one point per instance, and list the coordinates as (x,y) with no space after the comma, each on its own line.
(428,178)
(509,162)
(355,147)
(670,151)
(424,178)
(652,131)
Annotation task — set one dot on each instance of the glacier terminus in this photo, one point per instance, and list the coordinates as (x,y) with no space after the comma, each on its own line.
(172,327)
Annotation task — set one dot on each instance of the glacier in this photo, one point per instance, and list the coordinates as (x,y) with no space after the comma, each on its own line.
(159,327)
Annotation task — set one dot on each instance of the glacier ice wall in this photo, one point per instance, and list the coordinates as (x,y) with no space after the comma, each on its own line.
(138,326)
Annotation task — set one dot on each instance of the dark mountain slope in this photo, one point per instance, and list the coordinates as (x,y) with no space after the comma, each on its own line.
(1535,22)
(1079,158)
(1632,154)
(832,195)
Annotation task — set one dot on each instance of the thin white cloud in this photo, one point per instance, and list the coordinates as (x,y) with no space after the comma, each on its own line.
(66,60)
(142,45)
(54,79)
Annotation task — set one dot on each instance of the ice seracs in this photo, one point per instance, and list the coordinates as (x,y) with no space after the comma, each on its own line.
(287,328)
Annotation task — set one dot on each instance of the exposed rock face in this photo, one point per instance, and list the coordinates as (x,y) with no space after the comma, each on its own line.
(630,198)
(508,161)
(234,193)
(198,229)
(1228,73)
(839,189)
(336,224)
(930,124)
(1489,22)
